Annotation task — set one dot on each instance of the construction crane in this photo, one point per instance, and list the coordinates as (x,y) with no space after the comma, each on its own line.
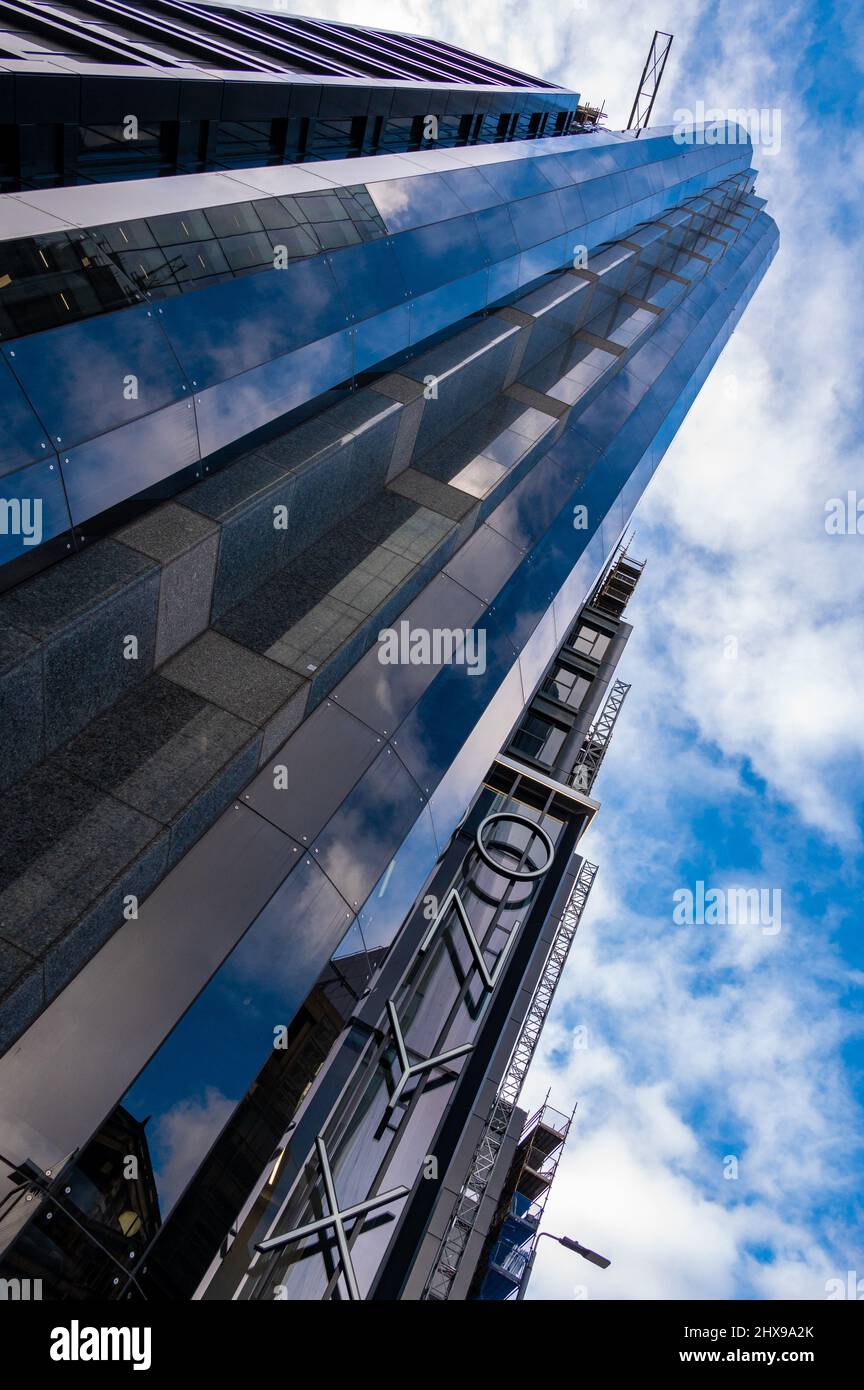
(649,81)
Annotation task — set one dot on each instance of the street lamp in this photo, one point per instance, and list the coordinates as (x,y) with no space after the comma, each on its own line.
(570,1244)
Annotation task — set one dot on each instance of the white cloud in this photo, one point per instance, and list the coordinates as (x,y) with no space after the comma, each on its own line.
(183,1136)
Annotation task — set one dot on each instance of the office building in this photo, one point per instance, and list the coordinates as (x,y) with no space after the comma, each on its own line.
(334,364)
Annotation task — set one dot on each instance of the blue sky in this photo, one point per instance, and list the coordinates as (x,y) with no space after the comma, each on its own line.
(705,1043)
(710,1042)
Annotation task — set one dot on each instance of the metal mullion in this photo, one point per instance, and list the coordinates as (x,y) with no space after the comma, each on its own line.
(309,36)
(259,35)
(432,52)
(485,67)
(44,19)
(389,50)
(160,24)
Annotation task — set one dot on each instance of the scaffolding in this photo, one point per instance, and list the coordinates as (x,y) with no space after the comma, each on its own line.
(507,1259)
(615,586)
(588,116)
(467,1205)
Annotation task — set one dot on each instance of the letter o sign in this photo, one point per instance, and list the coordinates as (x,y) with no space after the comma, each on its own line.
(521,875)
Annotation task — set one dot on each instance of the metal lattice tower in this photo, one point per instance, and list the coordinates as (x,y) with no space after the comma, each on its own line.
(591,753)
(649,81)
(467,1205)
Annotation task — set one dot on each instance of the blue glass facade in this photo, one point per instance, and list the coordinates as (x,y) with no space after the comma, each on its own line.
(211,363)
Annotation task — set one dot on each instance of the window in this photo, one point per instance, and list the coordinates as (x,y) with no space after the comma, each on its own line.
(50,280)
(247,252)
(233,219)
(567,686)
(173,228)
(335,234)
(148,270)
(57,278)
(321,207)
(539,738)
(108,152)
(239,143)
(195,260)
(294,241)
(589,641)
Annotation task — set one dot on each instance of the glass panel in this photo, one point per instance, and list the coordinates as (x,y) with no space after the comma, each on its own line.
(234,408)
(47,281)
(34,511)
(430,738)
(566,686)
(572,207)
(484,563)
(369,279)
(248,252)
(394,894)
(173,228)
(333,235)
(91,377)
(124,236)
(196,259)
(539,738)
(497,234)
(373,820)
(293,242)
(382,692)
(386,335)
(590,641)
(537,220)
(193,1083)
(129,460)
(22,438)
(534,502)
(430,313)
(233,218)
(321,207)
(432,256)
(279,310)
(472,188)
(149,271)
(322,762)
(517,178)
(278,212)
(244,144)
(415,202)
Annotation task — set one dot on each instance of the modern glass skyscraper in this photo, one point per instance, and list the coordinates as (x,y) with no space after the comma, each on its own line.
(334,363)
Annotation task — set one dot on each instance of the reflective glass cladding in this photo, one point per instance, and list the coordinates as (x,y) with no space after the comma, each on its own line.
(428,735)
(364,272)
